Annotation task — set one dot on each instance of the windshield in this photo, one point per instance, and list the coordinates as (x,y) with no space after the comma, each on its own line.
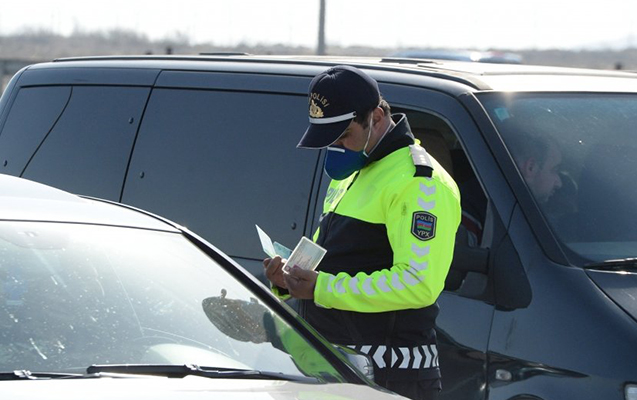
(576,153)
(76,295)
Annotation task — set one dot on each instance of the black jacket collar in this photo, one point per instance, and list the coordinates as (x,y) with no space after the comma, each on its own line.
(393,140)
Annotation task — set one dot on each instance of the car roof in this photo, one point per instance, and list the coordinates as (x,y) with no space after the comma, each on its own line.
(25,200)
(467,76)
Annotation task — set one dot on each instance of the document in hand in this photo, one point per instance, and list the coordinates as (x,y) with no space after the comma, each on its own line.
(306,254)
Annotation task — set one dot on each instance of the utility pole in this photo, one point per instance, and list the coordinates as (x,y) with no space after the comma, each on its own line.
(320,49)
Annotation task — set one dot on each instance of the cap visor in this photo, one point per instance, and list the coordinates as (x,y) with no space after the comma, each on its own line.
(318,136)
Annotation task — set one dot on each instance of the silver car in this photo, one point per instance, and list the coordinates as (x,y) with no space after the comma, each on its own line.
(100,299)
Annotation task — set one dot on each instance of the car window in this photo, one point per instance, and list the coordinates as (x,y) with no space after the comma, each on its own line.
(76,295)
(33,114)
(576,155)
(221,162)
(87,148)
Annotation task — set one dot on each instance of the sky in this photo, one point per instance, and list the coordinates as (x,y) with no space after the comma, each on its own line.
(461,24)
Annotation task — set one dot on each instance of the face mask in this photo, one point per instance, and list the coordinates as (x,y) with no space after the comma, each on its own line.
(341,162)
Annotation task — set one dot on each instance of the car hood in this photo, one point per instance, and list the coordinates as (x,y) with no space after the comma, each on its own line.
(191,387)
(25,200)
(620,286)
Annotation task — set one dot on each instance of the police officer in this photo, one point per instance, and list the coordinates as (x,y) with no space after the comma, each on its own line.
(390,218)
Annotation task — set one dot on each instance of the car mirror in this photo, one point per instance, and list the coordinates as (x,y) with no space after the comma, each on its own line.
(466,258)
(360,360)
(470,259)
(239,319)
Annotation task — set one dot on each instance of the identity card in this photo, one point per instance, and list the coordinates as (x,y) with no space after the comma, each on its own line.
(306,254)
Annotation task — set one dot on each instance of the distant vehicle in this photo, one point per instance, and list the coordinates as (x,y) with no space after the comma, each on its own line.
(104,301)
(496,57)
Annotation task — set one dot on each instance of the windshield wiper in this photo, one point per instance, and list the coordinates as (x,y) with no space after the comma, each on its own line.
(620,264)
(25,374)
(180,371)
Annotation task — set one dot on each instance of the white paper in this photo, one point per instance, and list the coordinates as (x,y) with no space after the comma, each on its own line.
(272,249)
(306,255)
(266,242)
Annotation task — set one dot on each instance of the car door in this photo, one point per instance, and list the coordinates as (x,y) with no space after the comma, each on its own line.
(450,134)
(217,153)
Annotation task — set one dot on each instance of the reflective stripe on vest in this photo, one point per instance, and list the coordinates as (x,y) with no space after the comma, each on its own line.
(420,357)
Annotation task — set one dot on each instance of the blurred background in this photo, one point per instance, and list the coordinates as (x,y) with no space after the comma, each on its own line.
(599,35)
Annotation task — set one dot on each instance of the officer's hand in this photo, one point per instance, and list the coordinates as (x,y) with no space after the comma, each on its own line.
(274,271)
(300,283)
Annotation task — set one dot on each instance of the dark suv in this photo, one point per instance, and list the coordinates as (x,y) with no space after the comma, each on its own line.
(540,302)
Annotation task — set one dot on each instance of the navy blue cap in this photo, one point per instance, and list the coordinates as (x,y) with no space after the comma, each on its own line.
(336,96)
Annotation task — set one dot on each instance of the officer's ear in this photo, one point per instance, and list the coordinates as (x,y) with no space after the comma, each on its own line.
(377,116)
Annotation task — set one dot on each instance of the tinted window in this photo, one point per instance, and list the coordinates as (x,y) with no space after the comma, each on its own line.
(220,162)
(87,150)
(33,114)
(576,154)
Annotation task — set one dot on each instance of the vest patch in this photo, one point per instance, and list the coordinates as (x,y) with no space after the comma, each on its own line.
(423,225)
